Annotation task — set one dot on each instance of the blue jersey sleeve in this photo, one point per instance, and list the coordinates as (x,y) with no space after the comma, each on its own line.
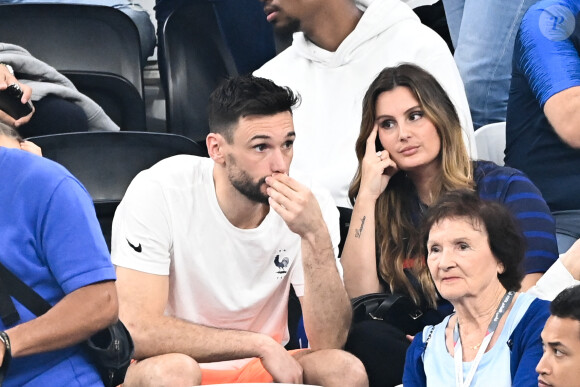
(71,239)
(547,55)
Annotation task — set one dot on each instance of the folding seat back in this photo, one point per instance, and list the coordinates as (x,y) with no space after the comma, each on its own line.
(197,59)
(97,47)
(107,162)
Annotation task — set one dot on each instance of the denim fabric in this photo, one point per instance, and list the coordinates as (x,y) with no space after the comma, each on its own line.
(483,34)
(144,25)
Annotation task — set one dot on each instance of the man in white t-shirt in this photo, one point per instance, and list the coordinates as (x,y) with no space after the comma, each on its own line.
(207,249)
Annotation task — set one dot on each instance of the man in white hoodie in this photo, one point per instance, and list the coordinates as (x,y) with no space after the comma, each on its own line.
(341,47)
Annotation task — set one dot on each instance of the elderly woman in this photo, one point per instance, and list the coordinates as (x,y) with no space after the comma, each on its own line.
(473,250)
(410,152)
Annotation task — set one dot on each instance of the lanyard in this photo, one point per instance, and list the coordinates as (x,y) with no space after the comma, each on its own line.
(458,351)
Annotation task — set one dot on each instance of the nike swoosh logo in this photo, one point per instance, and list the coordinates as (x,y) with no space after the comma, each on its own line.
(136,248)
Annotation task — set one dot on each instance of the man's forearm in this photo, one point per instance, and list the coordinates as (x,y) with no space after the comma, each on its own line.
(159,335)
(75,318)
(325,305)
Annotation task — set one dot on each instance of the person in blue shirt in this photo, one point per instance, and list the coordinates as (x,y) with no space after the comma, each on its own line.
(543,114)
(51,240)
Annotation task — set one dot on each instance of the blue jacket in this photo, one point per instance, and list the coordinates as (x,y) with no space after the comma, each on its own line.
(525,349)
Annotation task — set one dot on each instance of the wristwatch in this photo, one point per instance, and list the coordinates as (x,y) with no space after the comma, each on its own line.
(10,69)
(7,354)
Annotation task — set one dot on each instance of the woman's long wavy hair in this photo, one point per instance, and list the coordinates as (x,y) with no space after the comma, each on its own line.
(397,210)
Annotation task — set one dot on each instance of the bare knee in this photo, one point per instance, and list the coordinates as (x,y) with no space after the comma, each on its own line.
(350,369)
(334,367)
(173,369)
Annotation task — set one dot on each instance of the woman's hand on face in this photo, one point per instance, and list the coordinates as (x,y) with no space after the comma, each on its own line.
(377,169)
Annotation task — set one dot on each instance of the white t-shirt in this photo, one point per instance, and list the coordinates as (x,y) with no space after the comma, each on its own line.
(170,223)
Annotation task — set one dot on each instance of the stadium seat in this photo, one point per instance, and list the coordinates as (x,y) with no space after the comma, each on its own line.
(196,60)
(490,141)
(106,162)
(97,47)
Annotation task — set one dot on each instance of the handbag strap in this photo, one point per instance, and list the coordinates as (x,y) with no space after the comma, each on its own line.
(429,336)
(8,311)
(11,285)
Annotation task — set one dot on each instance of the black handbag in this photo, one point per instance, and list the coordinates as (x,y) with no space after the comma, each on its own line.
(392,308)
(111,349)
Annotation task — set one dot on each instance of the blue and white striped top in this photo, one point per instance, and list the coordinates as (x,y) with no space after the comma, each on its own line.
(513,189)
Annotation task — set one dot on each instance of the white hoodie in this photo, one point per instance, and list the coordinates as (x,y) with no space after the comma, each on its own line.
(332,86)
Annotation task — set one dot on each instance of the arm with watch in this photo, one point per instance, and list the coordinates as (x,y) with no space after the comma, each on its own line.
(71,321)
(5,354)
(15,106)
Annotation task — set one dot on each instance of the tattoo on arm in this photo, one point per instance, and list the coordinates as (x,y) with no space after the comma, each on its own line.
(358,231)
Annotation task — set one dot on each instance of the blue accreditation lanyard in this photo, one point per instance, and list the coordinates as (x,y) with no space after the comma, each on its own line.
(458,351)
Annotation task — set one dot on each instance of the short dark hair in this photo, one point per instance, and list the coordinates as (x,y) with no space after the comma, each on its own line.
(244,96)
(567,303)
(506,241)
(9,131)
